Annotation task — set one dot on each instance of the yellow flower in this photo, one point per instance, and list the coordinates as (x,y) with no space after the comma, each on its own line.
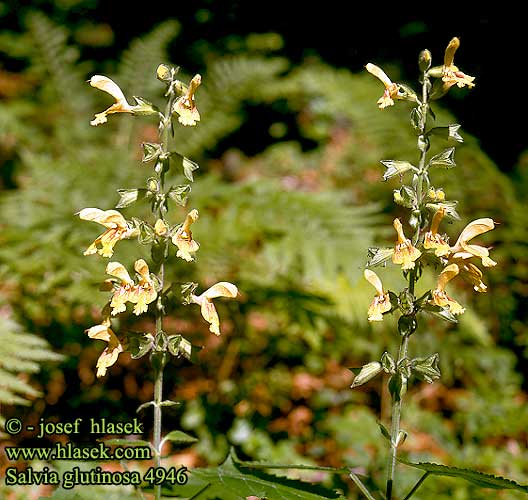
(185,105)
(473,275)
(144,292)
(222,289)
(117,230)
(451,75)
(120,106)
(462,250)
(160,228)
(440,297)
(381,302)
(391,89)
(140,294)
(404,252)
(124,291)
(433,239)
(110,354)
(183,238)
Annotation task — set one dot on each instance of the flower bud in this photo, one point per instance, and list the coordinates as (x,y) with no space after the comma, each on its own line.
(160,228)
(424,60)
(163,73)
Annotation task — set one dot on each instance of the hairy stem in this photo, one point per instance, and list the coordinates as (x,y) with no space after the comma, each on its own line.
(395,424)
(397,399)
(165,127)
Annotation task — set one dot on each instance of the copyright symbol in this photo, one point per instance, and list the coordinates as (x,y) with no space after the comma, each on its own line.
(13,426)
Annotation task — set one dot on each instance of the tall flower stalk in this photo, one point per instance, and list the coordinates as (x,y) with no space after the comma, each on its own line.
(166,239)
(427,207)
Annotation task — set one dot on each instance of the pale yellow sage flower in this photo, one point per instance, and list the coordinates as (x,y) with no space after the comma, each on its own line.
(205,301)
(381,302)
(117,229)
(440,297)
(113,349)
(472,274)
(140,294)
(123,293)
(434,240)
(463,250)
(391,89)
(145,291)
(451,75)
(185,105)
(109,86)
(183,238)
(404,251)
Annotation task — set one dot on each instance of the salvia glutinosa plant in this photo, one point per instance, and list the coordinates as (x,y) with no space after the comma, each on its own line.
(167,237)
(426,246)
(420,242)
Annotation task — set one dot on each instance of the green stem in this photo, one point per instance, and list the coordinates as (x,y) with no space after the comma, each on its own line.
(361,486)
(416,486)
(158,384)
(395,424)
(397,399)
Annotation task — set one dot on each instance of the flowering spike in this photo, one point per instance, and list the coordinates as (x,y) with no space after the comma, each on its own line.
(381,302)
(404,252)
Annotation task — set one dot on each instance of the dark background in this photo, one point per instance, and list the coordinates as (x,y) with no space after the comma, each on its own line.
(345,35)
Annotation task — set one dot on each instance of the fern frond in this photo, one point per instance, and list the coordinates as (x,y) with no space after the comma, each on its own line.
(20,354)
(54,61)
(137,69)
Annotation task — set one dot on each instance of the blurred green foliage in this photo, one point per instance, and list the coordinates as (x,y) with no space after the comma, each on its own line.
(290,225)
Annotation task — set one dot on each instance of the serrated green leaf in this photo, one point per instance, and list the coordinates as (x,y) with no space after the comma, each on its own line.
(127,197)
(187,289)
(378,256)
(388,363)
(427,367)
(180,346)
(179,194)
(144,405)
(397,386)
(180,437)
(144,107)
(385,432)
(396,167)
(366,373)
(441,313)
(233,481)
(448,206)
(449,133)
(168,403)
(416,117)
(151,151)
(139,344)
(478,478)
(188,168)
(406,197)
(445,159)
